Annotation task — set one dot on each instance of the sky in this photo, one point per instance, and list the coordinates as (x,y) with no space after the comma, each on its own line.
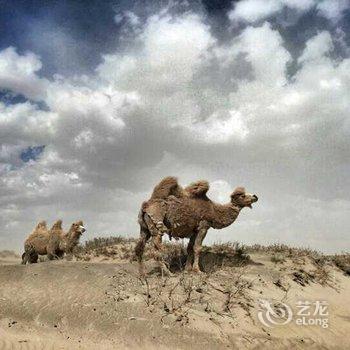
(101,99)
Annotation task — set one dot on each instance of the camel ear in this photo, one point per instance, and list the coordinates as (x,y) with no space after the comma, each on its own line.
(238,191)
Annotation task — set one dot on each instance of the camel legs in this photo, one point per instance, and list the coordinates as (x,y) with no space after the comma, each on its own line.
(156,235)
(52,249)
(25,258)
(52,256)
(202,231)
(156,213)
(158,256)
(33,258)
(29,256)
(60,253)
(140,248)
(190,253)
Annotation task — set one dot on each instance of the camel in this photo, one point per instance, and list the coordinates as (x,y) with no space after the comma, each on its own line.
(53,243)
(185,213)
(71,238)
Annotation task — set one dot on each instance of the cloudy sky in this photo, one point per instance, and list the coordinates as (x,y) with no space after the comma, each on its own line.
(100,100)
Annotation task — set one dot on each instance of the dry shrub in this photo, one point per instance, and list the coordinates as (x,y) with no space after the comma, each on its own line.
(342,261)
(117,247)
(216,294)
(224,254)
(174,254)
(211,258)
(102,242)
(277,258)
(283,248)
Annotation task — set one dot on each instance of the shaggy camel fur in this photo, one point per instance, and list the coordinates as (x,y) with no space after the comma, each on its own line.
(156,206)
(53,243)
(186,213)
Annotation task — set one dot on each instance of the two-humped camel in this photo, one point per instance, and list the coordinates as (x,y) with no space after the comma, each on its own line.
(186,213)
(52,242)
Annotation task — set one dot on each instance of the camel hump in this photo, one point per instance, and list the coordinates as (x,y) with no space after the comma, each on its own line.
(41,224)
(57,225)
(165,188)
(198,188)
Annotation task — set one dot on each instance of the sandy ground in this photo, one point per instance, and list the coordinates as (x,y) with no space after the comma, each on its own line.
(89,305)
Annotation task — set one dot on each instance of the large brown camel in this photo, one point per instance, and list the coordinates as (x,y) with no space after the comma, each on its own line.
(53,243)
(185,213)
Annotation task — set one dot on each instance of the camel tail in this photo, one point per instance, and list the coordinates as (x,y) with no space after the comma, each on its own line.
(165,188)
(197,189)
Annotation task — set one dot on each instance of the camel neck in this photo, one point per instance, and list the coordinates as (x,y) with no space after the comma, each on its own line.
(225,214)
(236,206)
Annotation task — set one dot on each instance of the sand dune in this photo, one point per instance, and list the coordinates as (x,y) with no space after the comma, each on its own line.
(89,305)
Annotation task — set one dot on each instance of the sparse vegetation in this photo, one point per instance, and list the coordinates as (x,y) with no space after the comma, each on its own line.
(7,253)
(174,254)
(177,299)
(342,261)
(219,255)
(277,258)
(284,249)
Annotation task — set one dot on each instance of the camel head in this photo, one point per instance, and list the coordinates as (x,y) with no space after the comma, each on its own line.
(243,199)
(76,230)
(41,225)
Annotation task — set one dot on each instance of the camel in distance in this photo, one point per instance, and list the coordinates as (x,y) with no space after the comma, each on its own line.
(185,213)
(53,242)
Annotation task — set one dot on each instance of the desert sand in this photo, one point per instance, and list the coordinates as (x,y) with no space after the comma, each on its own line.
(98,300)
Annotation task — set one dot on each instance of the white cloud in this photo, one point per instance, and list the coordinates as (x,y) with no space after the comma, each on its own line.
(317,47)
(220,129)
(24,123)
(171,49)
(18,73)
(257,10)
(332,9)
(266,53)
(220,191)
